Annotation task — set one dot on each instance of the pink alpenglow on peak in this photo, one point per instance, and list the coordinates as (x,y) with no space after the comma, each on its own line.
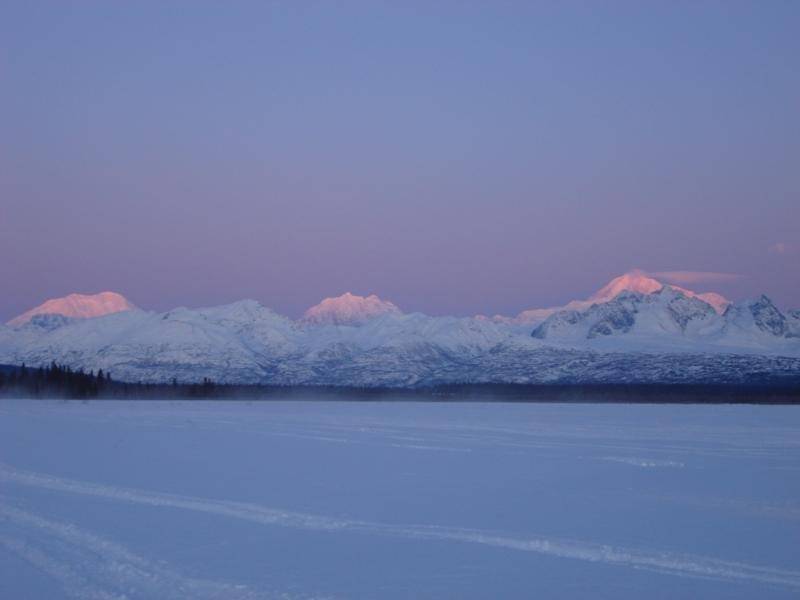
(639,281)
(348,309)
(632,281)
(635,280)
(78,306)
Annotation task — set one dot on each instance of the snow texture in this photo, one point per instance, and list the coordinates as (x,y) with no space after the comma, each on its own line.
(396,500)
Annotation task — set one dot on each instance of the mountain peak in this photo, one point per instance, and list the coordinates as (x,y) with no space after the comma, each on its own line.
(78,306)
(635,280)
(348,309)
(639,281)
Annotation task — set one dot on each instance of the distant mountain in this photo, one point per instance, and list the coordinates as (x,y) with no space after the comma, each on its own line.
(633,281)
(666,312)
(646,334)
(348,309)
(77,306)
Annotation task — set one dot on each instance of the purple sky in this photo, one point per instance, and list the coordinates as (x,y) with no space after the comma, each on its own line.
(466,158)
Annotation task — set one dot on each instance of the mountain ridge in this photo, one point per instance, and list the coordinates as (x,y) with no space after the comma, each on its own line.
(663,335)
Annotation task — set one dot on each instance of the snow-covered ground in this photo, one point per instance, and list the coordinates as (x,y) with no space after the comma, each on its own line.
(397,500)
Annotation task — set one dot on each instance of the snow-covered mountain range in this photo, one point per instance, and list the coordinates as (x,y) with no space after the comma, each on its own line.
(635,329)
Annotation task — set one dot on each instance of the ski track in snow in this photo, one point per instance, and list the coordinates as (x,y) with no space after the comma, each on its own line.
(644,462)
(137,571)
(91,567)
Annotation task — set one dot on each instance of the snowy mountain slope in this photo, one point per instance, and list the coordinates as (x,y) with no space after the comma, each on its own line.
(635,336)
(411,331)
(553,364)
(757,317)
(77,306)
(793,321)
(230,343)
(670,321)
(47,321)
(667,311)
(532,316)
(719,302)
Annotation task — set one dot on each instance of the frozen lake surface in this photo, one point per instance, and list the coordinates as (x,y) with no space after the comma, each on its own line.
(235,500)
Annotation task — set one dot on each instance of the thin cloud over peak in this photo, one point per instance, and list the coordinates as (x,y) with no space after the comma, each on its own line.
(690,277)
(781,248)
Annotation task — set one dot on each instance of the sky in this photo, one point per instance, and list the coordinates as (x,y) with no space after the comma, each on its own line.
(452,157)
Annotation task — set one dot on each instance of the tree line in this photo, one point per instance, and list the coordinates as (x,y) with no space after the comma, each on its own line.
(60,381)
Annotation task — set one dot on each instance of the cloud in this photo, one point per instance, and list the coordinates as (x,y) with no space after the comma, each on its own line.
(690,277)
(781,248)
